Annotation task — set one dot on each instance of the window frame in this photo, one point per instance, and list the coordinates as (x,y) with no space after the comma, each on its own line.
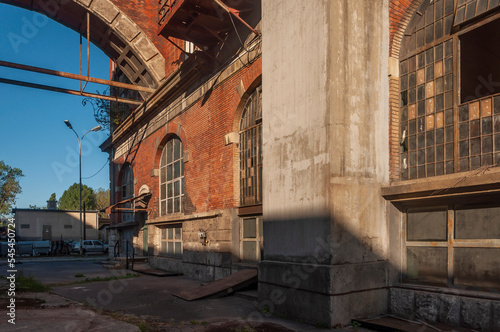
(451,159)
(258,239)
(127,190)
(164,196)
(250,150)
(164,241)
(450,244)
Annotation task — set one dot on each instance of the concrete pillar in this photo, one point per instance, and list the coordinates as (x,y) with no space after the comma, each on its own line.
(325,148)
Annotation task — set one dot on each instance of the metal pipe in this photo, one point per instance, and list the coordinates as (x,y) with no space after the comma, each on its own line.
(233,12)
(71,92)
(74,76)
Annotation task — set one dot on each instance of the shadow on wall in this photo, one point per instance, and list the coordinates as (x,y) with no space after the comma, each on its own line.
(318,261)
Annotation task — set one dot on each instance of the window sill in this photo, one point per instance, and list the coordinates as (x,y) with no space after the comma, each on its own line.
(179,217)
(445,186)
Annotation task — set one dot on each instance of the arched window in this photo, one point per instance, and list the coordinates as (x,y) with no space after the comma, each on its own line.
(448,59)
(172,178)
(251,151)
(127,190)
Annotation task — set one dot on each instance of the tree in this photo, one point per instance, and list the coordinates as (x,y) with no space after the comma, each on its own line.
(9,186)
(70,199)
(53,197)
(102,199)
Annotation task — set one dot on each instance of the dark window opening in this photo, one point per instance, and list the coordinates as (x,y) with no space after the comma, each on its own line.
(480,62)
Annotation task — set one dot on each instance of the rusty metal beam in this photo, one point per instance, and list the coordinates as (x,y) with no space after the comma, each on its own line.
(233,12)
(75,76)
(71,92)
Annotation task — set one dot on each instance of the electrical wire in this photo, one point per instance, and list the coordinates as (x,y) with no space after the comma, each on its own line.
(107,161)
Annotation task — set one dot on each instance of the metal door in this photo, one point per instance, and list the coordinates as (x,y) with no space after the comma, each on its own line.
(47,232)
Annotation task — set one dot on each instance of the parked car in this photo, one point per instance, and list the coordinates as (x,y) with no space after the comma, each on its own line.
(90,246)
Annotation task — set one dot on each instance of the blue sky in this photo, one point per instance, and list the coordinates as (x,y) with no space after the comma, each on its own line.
(33,136)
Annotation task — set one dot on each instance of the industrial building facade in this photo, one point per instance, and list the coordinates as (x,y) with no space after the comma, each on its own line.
(346,149)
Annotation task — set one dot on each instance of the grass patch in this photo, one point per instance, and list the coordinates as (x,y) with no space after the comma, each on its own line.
(146,324)
(245,328)
(79,275)
(29,284)
(195,322)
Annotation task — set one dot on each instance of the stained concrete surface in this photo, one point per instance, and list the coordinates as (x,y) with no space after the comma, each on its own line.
(88,306)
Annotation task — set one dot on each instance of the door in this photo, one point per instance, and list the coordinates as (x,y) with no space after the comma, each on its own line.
(47,232)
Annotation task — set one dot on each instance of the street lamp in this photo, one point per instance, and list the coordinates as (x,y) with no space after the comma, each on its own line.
(96,128)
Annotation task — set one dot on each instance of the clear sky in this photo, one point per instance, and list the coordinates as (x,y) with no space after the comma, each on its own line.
(33,136)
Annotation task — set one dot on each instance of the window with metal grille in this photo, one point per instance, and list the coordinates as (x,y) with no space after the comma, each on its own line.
(171,242)
(172,178)
(127,191)
(453,245)
(251,151)
(446,126)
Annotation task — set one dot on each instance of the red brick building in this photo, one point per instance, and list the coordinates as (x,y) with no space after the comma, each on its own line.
(176,167)
(366,133)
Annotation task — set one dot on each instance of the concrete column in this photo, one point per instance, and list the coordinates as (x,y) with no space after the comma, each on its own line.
(325,147)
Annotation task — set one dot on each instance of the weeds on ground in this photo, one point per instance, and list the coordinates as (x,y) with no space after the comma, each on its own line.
(29,284)
(93,279)
(245,328)
(195,322)
(144,324)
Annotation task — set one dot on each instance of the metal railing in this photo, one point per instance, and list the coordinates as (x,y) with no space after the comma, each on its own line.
(131,256)
(116,249)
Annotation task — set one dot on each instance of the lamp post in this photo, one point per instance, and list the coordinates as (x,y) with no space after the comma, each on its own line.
(96,128)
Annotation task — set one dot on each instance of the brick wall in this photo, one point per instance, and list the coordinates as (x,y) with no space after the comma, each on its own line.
(209,170)
(145,14)
(400,13)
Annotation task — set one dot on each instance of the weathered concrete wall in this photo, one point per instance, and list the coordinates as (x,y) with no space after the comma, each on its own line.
(451,307)
(325,152)
(211,261)
(57,220)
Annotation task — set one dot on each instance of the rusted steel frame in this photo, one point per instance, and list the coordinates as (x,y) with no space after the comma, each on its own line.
(71,92)
(74,76)
(234,12)
(177,46)
(88,53)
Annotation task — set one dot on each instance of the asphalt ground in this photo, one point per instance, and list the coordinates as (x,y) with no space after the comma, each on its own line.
(77,304)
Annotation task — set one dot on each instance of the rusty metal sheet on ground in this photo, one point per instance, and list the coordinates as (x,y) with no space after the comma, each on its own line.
(220,287)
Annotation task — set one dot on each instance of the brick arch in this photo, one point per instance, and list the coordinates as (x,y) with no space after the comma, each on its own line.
(111,30)
(241,105)
(401,13)
(173,130)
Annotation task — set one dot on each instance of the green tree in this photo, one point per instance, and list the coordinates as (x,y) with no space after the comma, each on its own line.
(9,186)
(53,197)
(102,199)
(70,199)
